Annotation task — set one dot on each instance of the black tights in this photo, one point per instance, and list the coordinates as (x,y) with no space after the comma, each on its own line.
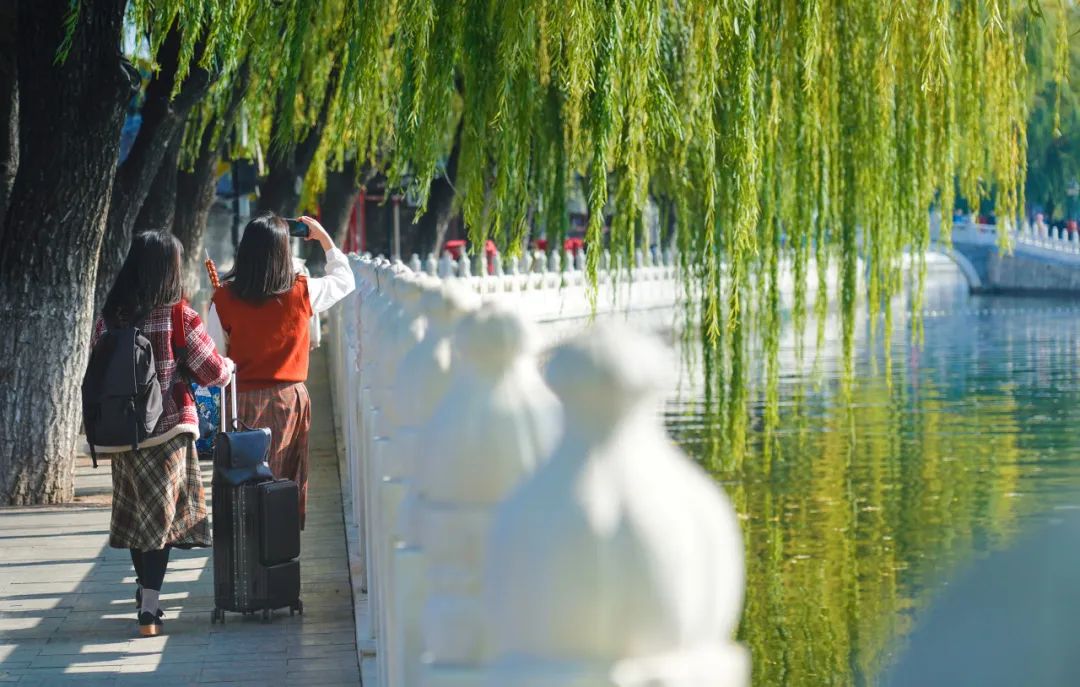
(150,567)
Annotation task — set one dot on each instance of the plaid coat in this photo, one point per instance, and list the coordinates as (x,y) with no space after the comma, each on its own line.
(204,365)
(158,498)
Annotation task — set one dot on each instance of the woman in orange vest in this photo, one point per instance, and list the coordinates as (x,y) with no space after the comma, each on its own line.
(260,315)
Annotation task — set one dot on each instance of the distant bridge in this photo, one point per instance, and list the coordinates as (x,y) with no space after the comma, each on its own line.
(1038,261)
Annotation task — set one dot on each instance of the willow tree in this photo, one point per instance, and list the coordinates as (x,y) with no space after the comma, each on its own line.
(71,87)
(70,110)
(270,102)
(1054,122)
(801,132)
(776,131)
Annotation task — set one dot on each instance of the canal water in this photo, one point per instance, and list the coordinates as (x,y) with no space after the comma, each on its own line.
(867,509)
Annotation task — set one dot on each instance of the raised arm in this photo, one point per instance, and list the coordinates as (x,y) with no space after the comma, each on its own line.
(216,331)
(207,366)
(338,282)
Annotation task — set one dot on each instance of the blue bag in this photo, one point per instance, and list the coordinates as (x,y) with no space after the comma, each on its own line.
(208,404)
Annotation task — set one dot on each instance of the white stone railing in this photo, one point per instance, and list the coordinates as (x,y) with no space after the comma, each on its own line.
(1030,235)
(517,528)
(1049,238)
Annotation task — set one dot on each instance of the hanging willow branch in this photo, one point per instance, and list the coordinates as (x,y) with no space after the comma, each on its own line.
(784,135)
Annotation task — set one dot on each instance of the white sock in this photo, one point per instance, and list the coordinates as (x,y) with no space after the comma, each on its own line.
(150,601)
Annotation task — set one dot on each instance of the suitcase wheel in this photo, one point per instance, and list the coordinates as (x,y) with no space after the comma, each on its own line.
(217,615)
(300,607)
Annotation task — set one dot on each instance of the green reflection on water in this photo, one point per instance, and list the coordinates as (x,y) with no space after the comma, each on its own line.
(863,511)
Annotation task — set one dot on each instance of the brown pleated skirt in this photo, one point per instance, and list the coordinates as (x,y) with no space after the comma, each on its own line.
(286,410)
(158,498)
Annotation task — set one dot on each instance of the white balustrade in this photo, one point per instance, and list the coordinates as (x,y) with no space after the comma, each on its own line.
(618,562)
(495,424)
(405,328)
(446,266)
(423,379)
(444,415)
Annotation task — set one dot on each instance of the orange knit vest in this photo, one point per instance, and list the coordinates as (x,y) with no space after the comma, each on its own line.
(268,341)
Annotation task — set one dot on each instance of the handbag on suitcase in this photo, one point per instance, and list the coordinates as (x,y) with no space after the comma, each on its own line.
(256,523)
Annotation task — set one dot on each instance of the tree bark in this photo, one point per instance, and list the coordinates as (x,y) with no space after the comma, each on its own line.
(69,142)
(338,199)
(194,194)
(159,207)
(9,106)
(432,226)
(194,198)
(280,191)
(163,118)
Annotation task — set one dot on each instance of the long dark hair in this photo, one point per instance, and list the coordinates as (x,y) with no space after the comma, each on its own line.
(264,266)
(149,278)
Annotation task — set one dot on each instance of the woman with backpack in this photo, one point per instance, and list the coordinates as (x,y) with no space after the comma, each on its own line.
(158,497)
(260,316)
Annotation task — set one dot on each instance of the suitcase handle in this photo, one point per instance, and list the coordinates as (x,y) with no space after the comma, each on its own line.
(235,418)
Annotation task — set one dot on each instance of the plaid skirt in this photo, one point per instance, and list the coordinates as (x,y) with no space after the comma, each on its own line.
(286,410)
(158,498)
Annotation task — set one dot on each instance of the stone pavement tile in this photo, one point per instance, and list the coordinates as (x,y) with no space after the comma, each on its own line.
(55,612)
(324,677)
(59,678)
(21,651)
(225,649)
(320,651)
(36,604)
(339,663)
(152,674)
(248,670)
(276,681)
(80,662)
(59,647)
(28,627)
(326,639)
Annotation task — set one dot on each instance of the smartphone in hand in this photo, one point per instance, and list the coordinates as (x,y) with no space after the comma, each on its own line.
(298,228)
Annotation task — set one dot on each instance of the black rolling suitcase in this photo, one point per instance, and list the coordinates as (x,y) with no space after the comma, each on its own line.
(256,525)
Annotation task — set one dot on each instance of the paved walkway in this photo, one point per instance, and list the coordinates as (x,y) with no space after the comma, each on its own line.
(67,608)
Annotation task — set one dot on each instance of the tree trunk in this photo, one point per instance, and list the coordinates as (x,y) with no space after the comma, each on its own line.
(338,199)
(195,189)
(159,207)
(194,197)
(69,137)
(163,118)
(432,226)
(280,190)
(9,106)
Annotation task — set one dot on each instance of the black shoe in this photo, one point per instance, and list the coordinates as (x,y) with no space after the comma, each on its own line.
(149,626)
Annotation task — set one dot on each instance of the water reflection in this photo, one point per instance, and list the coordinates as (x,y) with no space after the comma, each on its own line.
(862,511)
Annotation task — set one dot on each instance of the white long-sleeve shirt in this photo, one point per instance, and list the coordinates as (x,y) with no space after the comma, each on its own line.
(323,293)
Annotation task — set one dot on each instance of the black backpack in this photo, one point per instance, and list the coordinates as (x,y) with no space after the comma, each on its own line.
(121,395)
